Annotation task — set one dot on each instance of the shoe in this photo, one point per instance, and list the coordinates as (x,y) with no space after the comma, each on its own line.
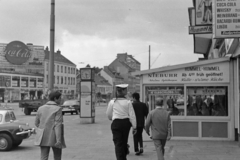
(138,153)
(141,151)
(128,146)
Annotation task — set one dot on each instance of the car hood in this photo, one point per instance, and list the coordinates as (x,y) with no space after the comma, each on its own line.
(14,124)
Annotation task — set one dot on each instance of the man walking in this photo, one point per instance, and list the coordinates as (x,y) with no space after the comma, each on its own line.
(141,112)
(160,122)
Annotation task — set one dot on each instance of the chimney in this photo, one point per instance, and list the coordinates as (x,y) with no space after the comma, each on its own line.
(122,56)
(58,52)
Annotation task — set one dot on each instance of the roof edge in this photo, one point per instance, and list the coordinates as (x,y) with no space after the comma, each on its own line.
(198,63)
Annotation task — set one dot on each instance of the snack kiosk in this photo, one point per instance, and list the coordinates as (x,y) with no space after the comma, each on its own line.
(202,97)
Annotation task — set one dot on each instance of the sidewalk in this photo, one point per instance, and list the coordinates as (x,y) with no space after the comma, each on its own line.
(95,143)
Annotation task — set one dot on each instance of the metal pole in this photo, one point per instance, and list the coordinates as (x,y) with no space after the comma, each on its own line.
(51,55)
(149,63)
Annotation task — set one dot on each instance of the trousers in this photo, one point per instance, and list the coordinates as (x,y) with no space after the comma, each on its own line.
(120,130)
(159,145)
(57,153)
(138,139)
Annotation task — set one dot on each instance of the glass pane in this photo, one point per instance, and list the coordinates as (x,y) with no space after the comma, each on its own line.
(7,117)
(207,101)
(173,98)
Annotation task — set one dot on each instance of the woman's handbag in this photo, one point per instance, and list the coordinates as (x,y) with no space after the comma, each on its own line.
(38,137)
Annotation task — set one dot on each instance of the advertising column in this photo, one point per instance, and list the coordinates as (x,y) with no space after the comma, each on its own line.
(87,96)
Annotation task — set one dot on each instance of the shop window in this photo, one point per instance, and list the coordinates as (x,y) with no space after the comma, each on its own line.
(7,117)
(173,98)
(207,101)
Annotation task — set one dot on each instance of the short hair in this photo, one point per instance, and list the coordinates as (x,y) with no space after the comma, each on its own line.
(159,101)
(136,95)
(121,91)
(54,95)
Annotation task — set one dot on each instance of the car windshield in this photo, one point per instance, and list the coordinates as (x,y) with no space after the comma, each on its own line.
(71,102)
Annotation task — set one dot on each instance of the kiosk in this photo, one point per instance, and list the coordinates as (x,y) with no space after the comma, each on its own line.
(87,95)
(199,96)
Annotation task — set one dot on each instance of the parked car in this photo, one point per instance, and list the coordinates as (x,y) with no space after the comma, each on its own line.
(180,101)
(71,106)
(103,100)
(12,132)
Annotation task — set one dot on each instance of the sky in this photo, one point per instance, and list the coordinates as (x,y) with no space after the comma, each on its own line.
(95,31)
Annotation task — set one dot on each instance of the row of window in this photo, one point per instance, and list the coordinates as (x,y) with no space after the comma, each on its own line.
(63,80)
(62,69)
(192,101)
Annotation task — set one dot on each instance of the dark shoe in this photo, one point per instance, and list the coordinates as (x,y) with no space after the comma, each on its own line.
(137,153)
(128,146)
(141,151)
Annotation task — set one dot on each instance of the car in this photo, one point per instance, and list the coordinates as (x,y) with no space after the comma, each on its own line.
(180,101)
(71,106)
(12,132)
(103,100)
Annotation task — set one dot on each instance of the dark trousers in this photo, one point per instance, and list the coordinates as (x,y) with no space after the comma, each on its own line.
(120,130)
(57,152)
(138,139)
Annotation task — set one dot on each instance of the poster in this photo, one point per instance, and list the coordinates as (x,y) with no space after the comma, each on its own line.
(226,19)
(203,9)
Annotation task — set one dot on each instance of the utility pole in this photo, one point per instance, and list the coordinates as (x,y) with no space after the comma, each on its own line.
(149,63)
(51,55)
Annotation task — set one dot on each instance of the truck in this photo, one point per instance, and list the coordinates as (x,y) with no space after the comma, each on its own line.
(30,106)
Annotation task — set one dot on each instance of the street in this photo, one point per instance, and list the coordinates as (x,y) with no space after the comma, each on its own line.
(94,142)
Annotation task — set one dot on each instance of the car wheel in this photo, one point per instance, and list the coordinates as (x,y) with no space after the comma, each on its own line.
(5,142)
(17,143)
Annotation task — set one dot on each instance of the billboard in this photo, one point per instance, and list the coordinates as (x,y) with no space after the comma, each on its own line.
(17,57)
(226,19)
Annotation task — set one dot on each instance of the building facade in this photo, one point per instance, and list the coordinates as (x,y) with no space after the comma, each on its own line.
(125,65)
(64,75)
(21,71)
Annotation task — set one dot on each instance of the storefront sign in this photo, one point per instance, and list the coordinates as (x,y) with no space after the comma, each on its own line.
(226,18)
(15,81)
(24,81)
(200,29)
(211,73)
(33,82)
(40,83)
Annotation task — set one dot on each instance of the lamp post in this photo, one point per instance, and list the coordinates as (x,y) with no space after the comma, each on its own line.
(51,55)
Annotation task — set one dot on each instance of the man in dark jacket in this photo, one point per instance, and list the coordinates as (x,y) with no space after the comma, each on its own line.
(141,112)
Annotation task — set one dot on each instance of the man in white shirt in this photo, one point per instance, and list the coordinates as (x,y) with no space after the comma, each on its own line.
(121,112)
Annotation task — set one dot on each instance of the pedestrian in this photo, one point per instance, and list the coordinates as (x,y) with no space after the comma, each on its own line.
(160,123)
(121,112)
(49,120)
(141,112)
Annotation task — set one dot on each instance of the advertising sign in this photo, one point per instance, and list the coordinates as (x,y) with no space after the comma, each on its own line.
(24,81)
(203,9)
(15,81)
(226,19)
(86,105)
(211,73)
(40,83)
(200,29)
(33,82)
(5,81)
(17,57)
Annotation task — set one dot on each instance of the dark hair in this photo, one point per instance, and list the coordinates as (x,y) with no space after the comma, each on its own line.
(54,95)
(136,96)
(159,101)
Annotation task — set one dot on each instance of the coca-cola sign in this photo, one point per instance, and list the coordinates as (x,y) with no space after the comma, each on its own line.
(17,52)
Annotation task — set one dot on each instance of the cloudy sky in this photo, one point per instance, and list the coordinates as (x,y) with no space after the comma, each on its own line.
(94,31)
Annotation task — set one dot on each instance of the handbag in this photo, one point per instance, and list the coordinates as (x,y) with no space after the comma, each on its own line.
(38,137)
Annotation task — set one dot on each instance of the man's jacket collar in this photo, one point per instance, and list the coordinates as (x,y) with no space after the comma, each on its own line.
(51,103)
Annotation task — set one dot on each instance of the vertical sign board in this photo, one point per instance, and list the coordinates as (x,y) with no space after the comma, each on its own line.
(86,99)
(226,18)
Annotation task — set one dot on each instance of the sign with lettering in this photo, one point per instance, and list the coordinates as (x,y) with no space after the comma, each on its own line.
(86,104)
(200,29)
(226,18)
(210,73)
